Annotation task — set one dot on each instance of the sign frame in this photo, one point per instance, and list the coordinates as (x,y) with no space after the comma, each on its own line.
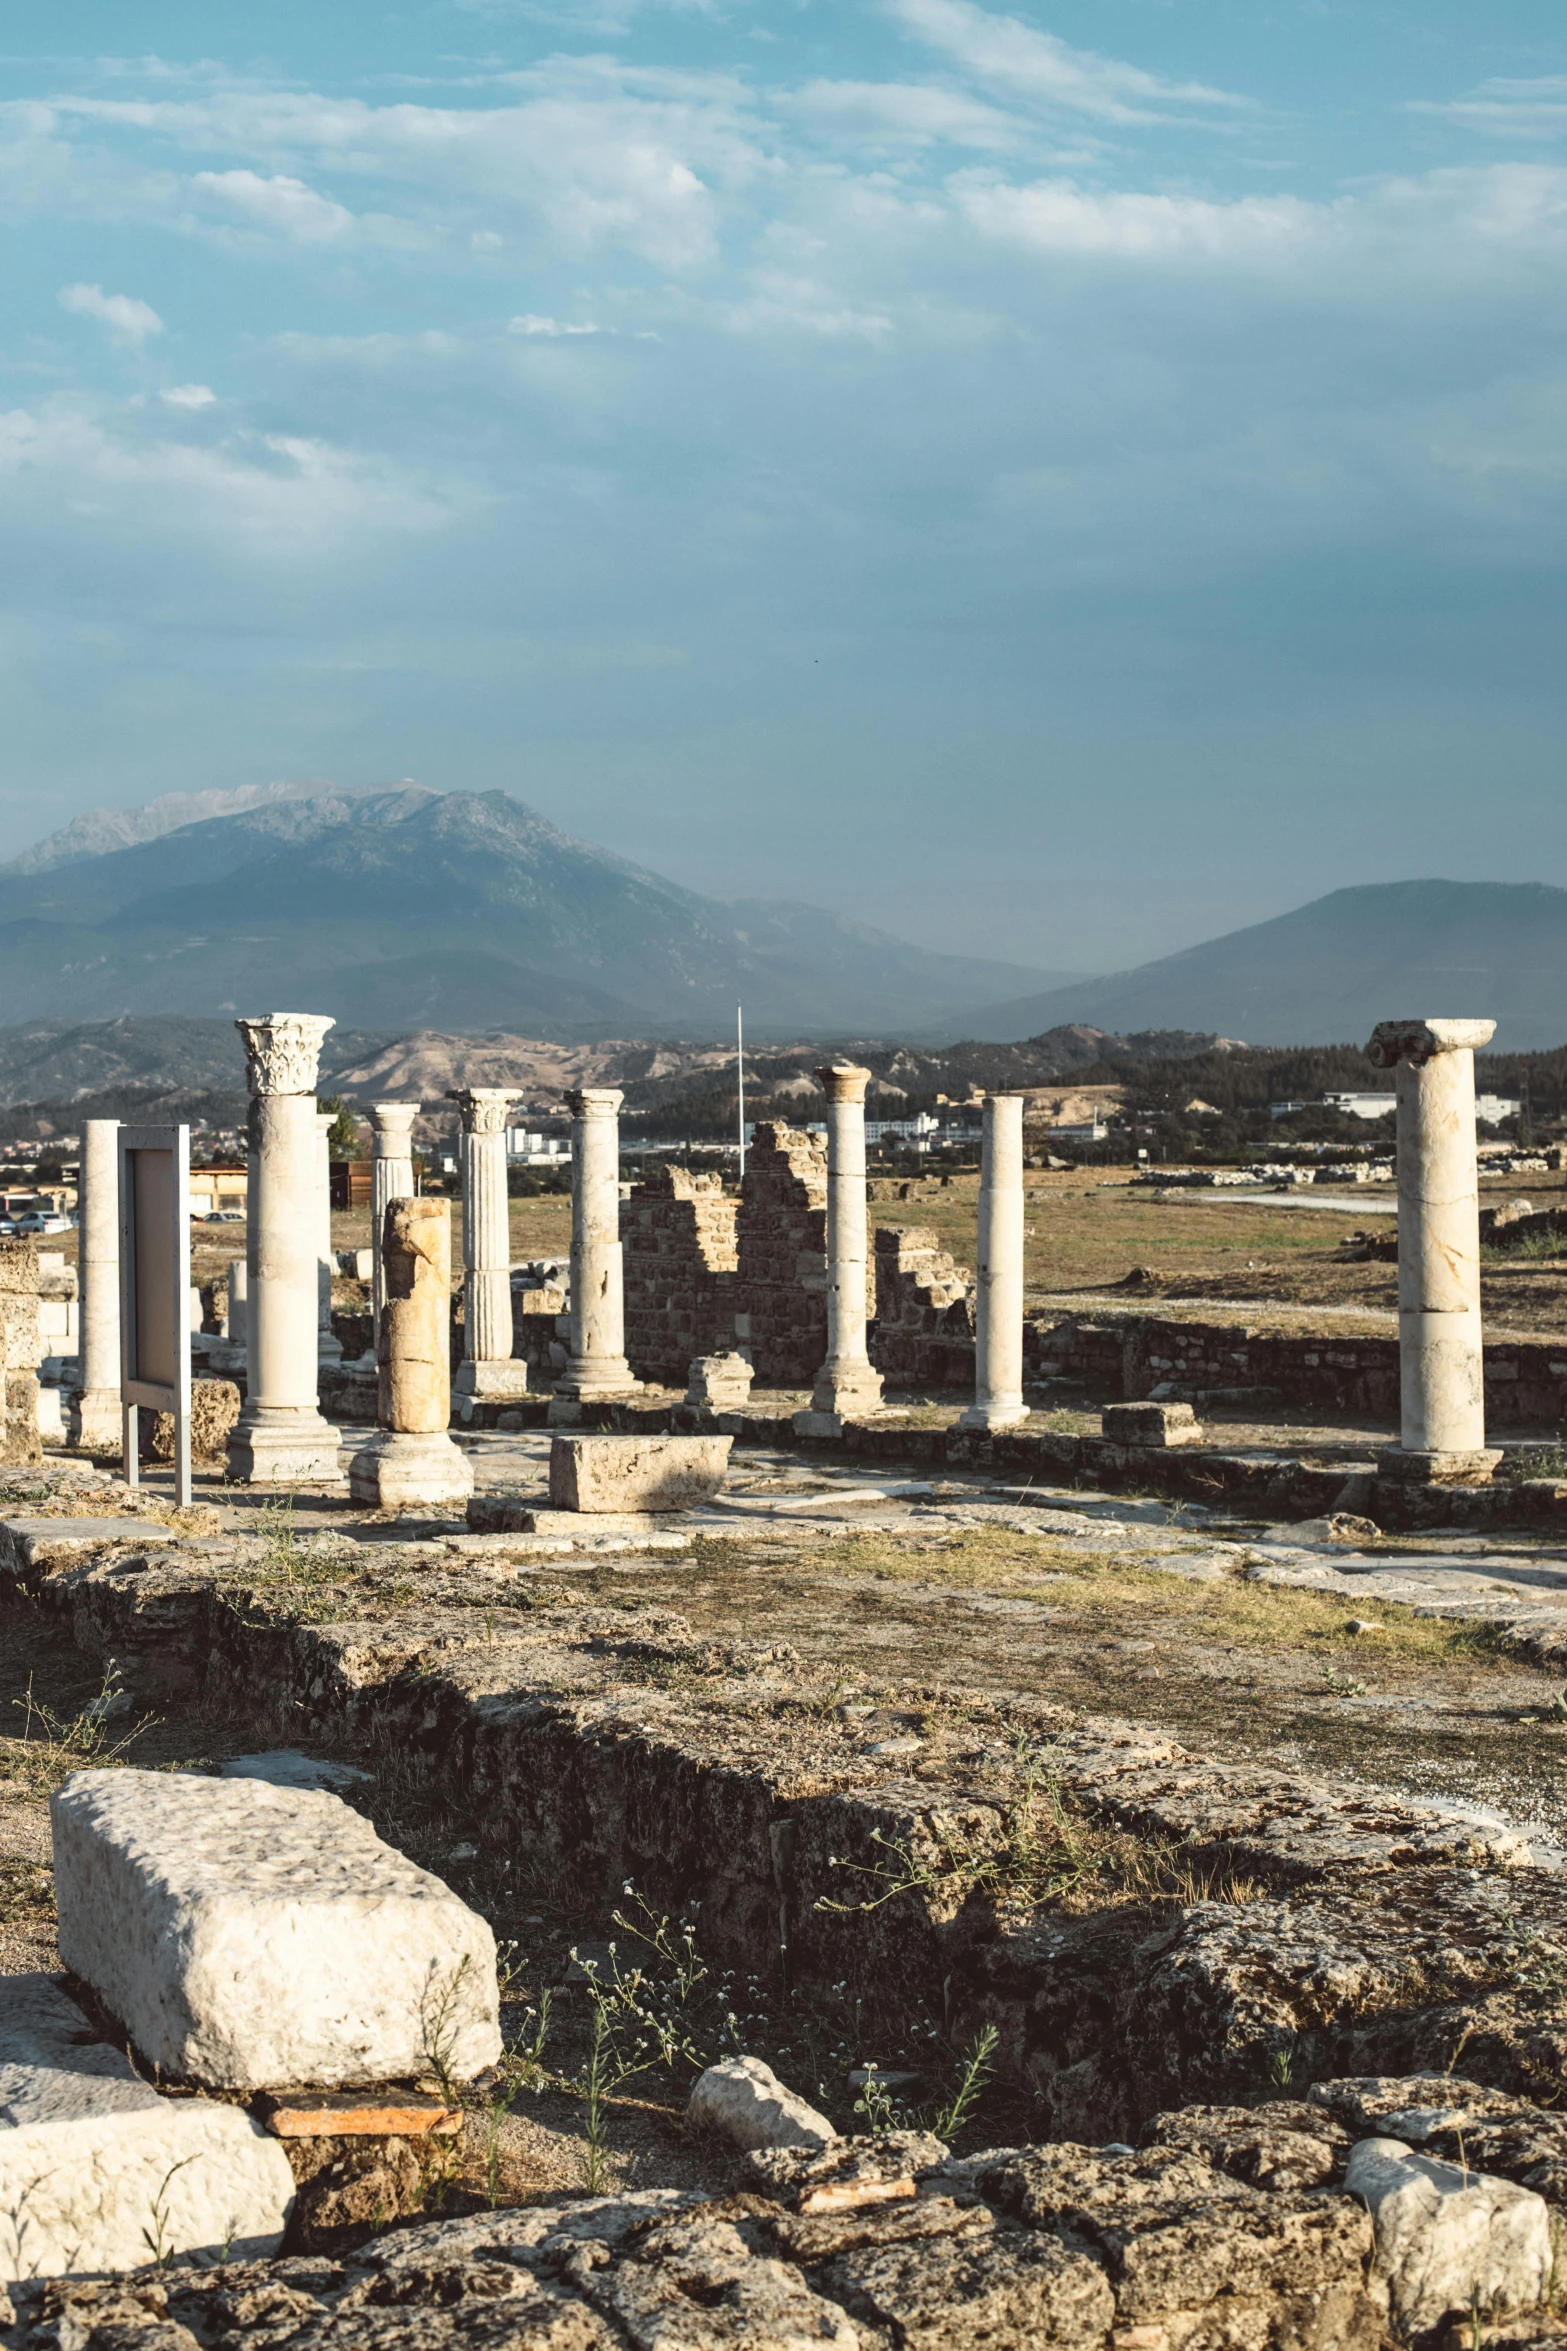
(155,1329)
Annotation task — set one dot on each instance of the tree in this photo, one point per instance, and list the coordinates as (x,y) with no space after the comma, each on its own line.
(344,1140)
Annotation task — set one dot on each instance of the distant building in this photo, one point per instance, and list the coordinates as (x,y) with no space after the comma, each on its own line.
(1491,1109)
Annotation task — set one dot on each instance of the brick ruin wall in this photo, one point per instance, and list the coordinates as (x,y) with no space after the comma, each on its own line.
(677,1234)
(781,1231)
(924,1330)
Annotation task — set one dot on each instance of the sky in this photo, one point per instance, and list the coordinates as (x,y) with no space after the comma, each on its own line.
(1057,482)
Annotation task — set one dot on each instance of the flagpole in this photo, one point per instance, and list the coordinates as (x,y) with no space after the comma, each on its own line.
(740,1075)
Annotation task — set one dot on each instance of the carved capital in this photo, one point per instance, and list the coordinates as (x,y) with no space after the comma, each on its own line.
(283,1051)
(1420,1041)
(594,1101)
(391,1128)
(482,1108)
(844,1082)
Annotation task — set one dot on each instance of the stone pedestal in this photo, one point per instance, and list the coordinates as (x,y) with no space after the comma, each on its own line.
(596,1369)
(847,1387)
(1441,1357)
(721,1383)
(391,1178)
(411,1458)
(95,1414)
(998,1303)
(329,1347)
(280,1438)
(488,1369)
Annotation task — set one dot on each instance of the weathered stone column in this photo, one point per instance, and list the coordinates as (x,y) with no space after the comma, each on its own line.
(1441,1356)
(239,1292)
(488,1369)
(411,1458)
(846,1386)
(95,1415)
(329,1347)
(998,1304)
(391,1178)
(280,1438)
(596,1370)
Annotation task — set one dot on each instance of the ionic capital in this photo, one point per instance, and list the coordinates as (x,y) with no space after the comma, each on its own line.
(283,1051)
(391,1127)
(594,1101)
(1420,1041)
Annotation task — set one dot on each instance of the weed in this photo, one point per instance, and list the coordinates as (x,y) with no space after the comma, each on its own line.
(157,2239)
(51,1745)
(978,2066)
(442,2025)
(1281,2066)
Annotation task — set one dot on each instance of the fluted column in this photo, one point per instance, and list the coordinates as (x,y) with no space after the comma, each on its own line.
(391,1178)
(329,1347)
(998,1304)
(280,1437)
(488,1369)
(411,1459)
(846,1386)
(1440,1346)
(597,1369)
(95,1415)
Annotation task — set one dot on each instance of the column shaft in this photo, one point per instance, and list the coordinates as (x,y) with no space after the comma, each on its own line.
(488,1369)
(846,1384)
(96,1416)
(391,1178)
(329,1347)
(998,1303)
(597,1367)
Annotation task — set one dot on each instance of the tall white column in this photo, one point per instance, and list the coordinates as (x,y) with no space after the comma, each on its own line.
(391,1178)
(280,1437)
(1441,1352)
(597,1370)
(95,1416)
(488,1369)
(329,1347)
(846,1386)
(998,1304)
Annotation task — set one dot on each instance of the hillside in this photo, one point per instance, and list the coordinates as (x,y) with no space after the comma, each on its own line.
(459,911)
(1334,968)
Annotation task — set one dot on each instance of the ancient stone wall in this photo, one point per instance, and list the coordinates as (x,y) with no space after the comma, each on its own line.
(21,1347)
(677,1234)
(782,1243)
(924,1329)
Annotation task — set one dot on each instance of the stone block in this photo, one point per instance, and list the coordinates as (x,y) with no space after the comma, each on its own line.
(98,2172)
(1448,2237)
(214,1409)
(1150,1424)
(721,1382)
(31,1548)
(397,1470)
(249,1935)
(619,1474)
(745,2102)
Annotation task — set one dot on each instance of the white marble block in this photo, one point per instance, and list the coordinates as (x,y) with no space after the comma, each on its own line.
(251,1936)
(98,2172)
(617,1473)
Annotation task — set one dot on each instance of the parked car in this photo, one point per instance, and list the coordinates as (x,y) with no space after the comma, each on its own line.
(38,1220)
(7,1228)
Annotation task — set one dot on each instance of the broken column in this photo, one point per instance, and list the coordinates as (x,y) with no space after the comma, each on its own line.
(998,1305)
(411,1458)
(280,1437)
(239,1292)
(846,1385)
(391,1178)
(488,1369)
(596,1369)
(1441,1355)
(95,1418)
(329,1347)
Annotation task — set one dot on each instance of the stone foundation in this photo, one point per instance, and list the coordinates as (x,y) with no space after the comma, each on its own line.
(923,1336)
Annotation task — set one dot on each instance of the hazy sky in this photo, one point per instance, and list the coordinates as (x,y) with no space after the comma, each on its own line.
(1062,482)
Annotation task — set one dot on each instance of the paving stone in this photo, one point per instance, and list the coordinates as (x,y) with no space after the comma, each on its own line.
(616,1473)
(99,2172)
(249,1935)
(1448,2237)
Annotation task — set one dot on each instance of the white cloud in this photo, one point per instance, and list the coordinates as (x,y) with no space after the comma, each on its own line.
(127,319)
(914,114)
(1017,57)
(286,206)
(1516,109)
(530,324)
(1057,216)
(188,396)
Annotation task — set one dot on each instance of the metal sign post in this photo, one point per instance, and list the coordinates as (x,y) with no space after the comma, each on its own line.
(155,1292)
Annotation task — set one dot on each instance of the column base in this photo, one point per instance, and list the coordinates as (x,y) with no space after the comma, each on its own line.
(491,1381)
(95,1424)
(1411,1468)
(283,1445)
(1001,1413)
(329,1347)
(396,1468)
(847,1392)
(602,1381)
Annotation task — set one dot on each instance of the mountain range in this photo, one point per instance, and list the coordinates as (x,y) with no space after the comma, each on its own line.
(456,910)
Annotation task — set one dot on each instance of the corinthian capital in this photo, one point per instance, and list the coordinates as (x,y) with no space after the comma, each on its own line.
(482,1108)
(283,1051)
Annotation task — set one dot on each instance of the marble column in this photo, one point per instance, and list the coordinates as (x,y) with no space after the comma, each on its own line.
(998,1303)
(239,1292)
(596,1370)
(1441,1359)
(329,1347)
(411,1459)
(488,1369)
(846,1386)
(95,1414)
(280,1438)
(391,1178)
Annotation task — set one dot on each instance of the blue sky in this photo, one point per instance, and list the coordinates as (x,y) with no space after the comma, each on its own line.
(1059,482)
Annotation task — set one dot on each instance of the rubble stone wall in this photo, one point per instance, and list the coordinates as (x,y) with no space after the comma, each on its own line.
(22,1347)
(781,1238)
(923,1334)
(677,1235)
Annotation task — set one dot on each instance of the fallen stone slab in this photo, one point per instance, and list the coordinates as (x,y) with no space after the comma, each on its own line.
(248,1935)
(619,1473)
(745,2102)
(1449,2238)
(1150,1424)
(98,2172)
(31,1548)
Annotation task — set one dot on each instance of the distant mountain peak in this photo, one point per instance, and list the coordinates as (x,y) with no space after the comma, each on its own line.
(98,832)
